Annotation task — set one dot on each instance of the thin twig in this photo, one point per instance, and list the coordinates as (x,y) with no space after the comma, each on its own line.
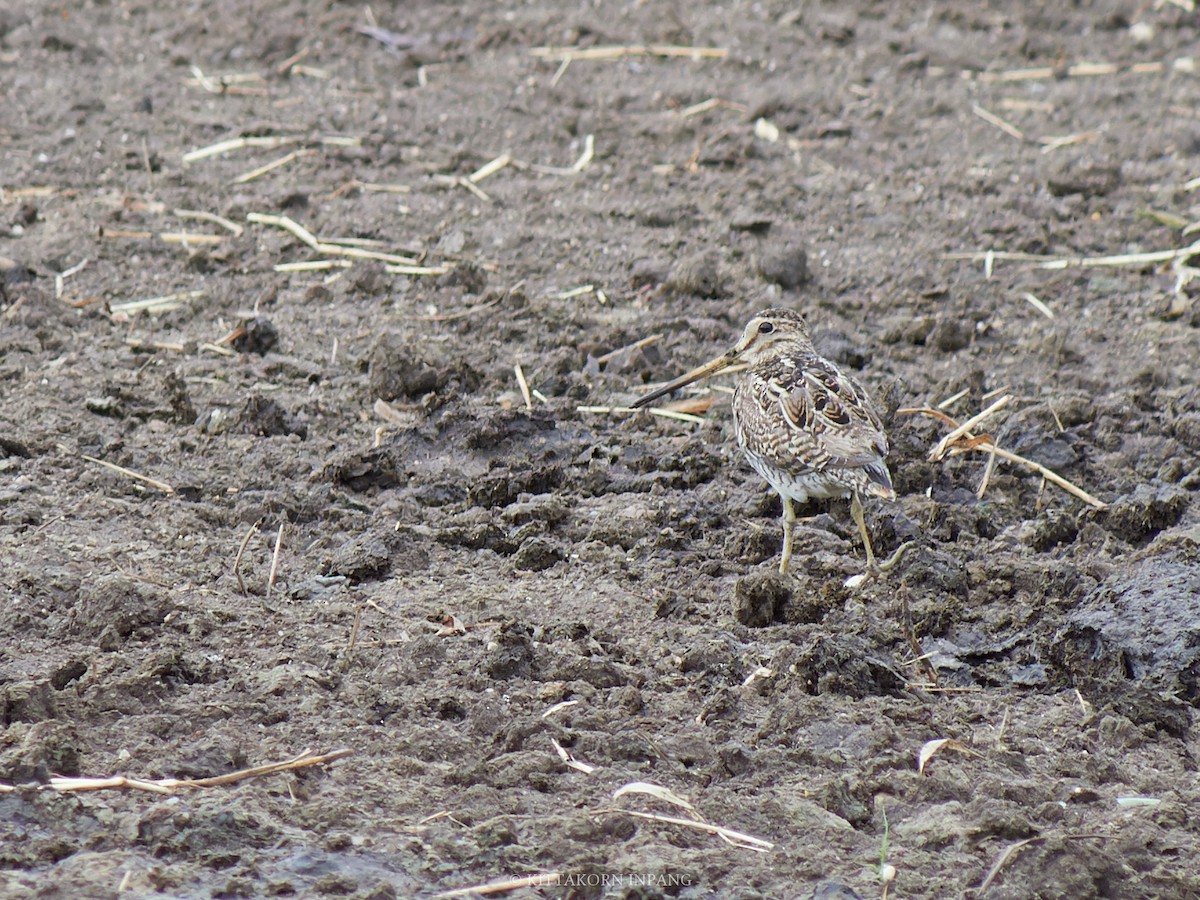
(302,760)
(993,119)
(577,54)
(1067,262)
(1013,849)
(987,473)
(129,473)
(572,293)
(585,158)
(1079,70)
(560,72)
(746,841)
(275,560)
(968,442)
(268,142)
(570,761)
(313,265)
(712,103)
(1050,143)
(62,276)
(189,237)
(1045,473)
(1036,303)
(524,385)
(416,270)
(636,345)
(327,248)
(234,84)
(504,886)
(653,410)
(490,169)
(237,560)
(240,143)
(274,164)
(940,450)
(289,225)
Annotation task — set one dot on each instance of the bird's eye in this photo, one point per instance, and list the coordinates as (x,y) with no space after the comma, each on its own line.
(766,328)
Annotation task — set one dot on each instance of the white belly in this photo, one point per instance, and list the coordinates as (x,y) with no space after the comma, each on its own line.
(814,485)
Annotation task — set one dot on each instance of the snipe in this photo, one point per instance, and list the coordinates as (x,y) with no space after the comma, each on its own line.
(806,426)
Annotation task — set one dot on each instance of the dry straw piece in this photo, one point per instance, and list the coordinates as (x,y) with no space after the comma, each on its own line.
(237,560)
(129,473)
(728,835)
(271,166)
(302,760)
(61,277)
(1178,258)
(661,412)
(268,142)
(155,305)
(570,761)
(962,440)
(578,54)
(524,386)
(504,886)
(931,748)
(397,264)
(1079,70)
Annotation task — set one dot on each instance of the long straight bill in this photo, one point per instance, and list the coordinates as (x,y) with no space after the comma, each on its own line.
(709,368)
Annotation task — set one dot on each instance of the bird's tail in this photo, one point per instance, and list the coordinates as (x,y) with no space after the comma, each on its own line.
(879,481)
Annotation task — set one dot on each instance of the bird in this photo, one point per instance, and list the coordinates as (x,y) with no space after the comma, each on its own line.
(808,428)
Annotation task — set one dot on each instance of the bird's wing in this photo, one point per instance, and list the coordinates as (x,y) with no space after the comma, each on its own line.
(831,411)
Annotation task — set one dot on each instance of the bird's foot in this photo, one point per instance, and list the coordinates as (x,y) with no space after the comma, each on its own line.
(877,569)
(894,558)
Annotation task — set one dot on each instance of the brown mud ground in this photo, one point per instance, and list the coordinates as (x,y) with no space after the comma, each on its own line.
(619,562)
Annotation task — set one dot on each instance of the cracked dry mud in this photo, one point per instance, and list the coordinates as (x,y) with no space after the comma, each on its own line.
(451,572)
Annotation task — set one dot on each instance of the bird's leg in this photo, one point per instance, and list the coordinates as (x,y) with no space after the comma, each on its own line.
(856,513)
(789,523)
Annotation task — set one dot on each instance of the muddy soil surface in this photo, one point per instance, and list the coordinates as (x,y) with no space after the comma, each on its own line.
(466,581)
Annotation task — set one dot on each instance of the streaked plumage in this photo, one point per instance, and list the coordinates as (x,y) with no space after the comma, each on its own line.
(805,426)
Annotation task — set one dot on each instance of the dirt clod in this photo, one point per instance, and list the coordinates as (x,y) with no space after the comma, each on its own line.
(700,275)
(784,263)
(1088,178)
(537,553)
(758,600)
(1140,515)
(258,335)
